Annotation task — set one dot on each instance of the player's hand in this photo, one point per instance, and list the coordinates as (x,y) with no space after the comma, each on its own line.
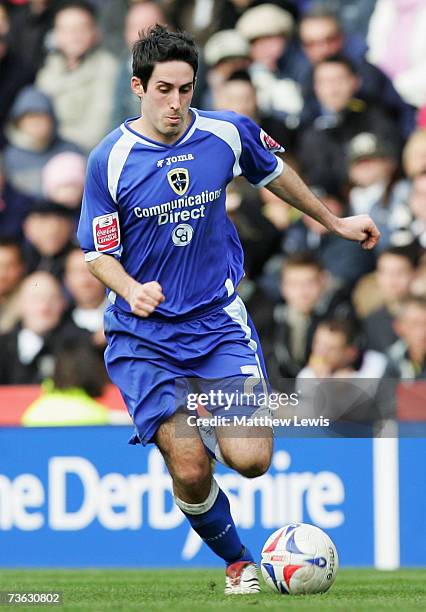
(145,297)
(360,228)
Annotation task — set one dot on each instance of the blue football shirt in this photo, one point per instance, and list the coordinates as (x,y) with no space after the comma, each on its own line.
(161,210)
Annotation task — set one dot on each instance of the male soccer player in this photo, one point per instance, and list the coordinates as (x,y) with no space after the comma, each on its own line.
(155,232)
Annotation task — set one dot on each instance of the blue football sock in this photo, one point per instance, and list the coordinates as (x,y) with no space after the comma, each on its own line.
(213,522)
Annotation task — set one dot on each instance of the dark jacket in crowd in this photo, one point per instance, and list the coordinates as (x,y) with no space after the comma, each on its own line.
(322,146)
(14,372)
(23,164)
(14,207)
(14,75)
(282,363)
(343,259)
(375,88)
(378,330)
(29,30)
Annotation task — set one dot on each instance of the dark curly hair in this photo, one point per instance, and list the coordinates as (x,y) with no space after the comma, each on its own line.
(158,45)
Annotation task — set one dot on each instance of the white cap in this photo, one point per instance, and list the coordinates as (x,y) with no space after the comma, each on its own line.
(224,45)
(265,20)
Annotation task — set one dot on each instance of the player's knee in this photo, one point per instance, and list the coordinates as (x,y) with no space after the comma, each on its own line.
(256,467)
(190,476)
(251,466)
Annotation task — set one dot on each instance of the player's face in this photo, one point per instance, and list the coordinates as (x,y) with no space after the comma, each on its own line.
(166,101)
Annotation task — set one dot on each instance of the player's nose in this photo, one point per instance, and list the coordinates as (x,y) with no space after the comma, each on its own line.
(174,100)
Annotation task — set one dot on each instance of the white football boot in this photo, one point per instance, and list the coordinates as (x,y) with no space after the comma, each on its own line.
(241,578)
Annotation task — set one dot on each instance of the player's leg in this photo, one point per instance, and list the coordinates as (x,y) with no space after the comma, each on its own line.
(203,502)
(246,449)
(186,459)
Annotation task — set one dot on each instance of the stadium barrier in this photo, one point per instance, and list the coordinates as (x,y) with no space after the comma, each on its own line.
(82,497)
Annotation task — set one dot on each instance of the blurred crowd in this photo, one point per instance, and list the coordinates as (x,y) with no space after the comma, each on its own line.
(340,84)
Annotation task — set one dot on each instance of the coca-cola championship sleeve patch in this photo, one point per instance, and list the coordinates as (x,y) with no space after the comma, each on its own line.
(106,232)
(270,144)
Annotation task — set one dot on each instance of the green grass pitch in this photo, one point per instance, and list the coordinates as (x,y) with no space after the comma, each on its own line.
(355,590)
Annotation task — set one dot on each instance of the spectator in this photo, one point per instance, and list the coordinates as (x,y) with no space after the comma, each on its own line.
(140,17)
(322,36)
(260,238)
(408,353)
(14,207)
(29,350)
(336,352)
(225,53)
(343,260)
(342,117)
(354,15)
(275,59)
(373,172)
(63,179)
(395,273)
(49,233)
(203,18)
(31,25)
(14,72)
(238,94)
(414,154)
(361,394)
(417,203)
(397,44)
(33,140)
(68,399)
(418,286)
(111,23)
(79,76)
(309,298)
(88,296)
(12,271)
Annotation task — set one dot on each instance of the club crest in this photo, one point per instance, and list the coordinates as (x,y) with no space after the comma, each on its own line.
(178,180)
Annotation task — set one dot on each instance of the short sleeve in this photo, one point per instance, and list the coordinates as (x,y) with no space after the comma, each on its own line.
(99,226)
(258,161)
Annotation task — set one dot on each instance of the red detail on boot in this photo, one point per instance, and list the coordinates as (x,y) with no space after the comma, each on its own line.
(272,546)
(289,571)
(234,570)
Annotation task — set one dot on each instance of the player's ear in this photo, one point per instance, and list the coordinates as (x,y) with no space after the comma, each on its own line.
(137,87)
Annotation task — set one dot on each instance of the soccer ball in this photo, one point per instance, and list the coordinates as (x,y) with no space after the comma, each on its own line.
(299,558)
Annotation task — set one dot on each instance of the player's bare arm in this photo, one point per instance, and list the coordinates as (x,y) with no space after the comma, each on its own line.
(290,187)
(142,297)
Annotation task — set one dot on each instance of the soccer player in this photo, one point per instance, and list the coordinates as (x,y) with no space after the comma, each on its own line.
(154,230)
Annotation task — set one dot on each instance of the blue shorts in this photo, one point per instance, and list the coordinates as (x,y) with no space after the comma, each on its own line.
(144,357)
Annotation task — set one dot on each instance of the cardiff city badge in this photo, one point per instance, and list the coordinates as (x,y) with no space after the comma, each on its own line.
(178,180)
